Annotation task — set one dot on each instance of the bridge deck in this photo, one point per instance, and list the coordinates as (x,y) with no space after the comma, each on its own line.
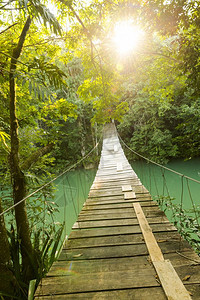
(106,256)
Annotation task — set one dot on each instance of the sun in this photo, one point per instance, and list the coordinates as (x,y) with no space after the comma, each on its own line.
(127,37)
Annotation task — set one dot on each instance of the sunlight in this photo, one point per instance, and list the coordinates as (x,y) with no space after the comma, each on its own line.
(127,37)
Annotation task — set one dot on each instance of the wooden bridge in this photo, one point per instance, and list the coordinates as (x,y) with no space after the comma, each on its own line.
(122,245)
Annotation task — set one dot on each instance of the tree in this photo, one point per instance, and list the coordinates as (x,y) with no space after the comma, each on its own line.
(53,74)
(153,92)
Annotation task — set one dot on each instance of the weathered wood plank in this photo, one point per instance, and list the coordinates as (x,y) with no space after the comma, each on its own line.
(105,201)
(136,238)
(129,195)
(99,281)
(139,189)
(114,206)
(136,294)
(153,248)
(119,166)
(127,188)
(149,210)
(143,293)
(105,256)
(123,263)
(88,216)
(63,267)
(143,197)
(171,283)
(102,185)
(116,222)
(80,233)
(129,250)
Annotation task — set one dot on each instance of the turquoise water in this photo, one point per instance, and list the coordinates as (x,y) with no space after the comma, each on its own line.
(73,188)
(71,192)
(163,182)
(179,196)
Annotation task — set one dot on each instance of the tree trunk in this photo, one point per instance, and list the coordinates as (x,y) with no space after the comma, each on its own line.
(7,280)
(18,178)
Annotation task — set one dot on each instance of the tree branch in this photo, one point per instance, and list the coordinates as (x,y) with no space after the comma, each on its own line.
(8,28)
(36,155)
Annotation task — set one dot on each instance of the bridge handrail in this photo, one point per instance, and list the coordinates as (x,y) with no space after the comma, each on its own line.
(159,165)
(52,180)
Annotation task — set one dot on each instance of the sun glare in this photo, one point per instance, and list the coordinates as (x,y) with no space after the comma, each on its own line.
(127,37)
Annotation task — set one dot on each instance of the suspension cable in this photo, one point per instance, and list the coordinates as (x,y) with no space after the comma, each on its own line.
(153,162)
(49,182)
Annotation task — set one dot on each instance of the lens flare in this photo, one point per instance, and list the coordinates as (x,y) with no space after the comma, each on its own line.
(127,37)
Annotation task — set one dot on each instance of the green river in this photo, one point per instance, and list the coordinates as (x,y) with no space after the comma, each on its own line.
(73,188)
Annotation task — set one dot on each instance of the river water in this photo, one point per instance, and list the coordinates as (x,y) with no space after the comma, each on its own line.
(73,188)
(166,183)
(71,192)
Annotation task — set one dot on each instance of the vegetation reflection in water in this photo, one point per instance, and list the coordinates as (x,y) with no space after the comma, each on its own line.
(71,192)
(72,188)
(162,182)
(177,195)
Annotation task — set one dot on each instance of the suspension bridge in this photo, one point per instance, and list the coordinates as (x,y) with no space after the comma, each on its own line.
(122,245)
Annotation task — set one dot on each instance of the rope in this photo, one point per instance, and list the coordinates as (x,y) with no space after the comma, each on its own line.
(46,184)
(194,208)
(153,162)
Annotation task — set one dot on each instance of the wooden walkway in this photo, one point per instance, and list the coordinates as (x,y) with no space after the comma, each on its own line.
(112,253)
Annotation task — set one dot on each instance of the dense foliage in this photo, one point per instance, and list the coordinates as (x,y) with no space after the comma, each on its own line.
(62,77)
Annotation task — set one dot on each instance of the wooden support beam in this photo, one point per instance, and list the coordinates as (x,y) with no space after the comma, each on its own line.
(151,243)
(170,281)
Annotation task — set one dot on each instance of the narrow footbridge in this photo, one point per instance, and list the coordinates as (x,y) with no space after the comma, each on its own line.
(122,245)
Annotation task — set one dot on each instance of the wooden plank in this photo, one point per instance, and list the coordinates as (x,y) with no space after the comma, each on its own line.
(99,281)
(136,294)
(99,201)
(141,294)
(171,283)
(111,197)
(154,250)
(116,183)
(184,258)
(105,256)
(127,263)
(64,268)
(118,230)
(119,166)
(166,240)
(116,222)
(88,216)
(129,195)
(118,188)
(113,251)
(126,188)
(115,176)
(147,208)
(76,281)
(114,206)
